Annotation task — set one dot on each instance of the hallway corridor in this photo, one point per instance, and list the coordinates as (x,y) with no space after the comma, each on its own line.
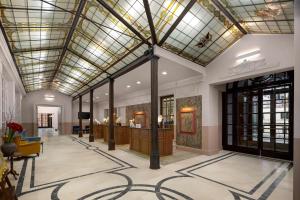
(89,171)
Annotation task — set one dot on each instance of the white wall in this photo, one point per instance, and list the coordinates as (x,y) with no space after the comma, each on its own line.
(276,50)
(33,99)
(11,88)
(51,110)
(183,88)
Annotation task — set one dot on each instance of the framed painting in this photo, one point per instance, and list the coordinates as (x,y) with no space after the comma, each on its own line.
(187,121)
(140,118)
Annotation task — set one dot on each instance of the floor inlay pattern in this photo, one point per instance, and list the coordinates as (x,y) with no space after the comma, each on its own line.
(73,168)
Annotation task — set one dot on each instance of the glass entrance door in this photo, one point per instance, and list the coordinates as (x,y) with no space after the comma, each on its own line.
(257,116)
(275,123)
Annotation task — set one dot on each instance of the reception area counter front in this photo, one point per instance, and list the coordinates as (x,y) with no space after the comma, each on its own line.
(121,134)
(140,140)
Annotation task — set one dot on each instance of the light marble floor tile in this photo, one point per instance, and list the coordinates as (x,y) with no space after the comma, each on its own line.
(72,168)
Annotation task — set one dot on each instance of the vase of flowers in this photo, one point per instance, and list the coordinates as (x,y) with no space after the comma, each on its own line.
(9,147)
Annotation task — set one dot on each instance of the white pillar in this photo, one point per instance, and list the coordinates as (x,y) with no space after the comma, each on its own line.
(297,102)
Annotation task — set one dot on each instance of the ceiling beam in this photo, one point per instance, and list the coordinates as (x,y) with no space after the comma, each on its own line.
(69,37)
(79,81)
(121,19)
(38,49)
(150,21)
(30,9)
(116,62)
(229,16)
(178,20)
(85,59)
(131,66)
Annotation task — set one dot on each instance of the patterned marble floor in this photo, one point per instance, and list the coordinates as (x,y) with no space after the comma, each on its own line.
(72,168)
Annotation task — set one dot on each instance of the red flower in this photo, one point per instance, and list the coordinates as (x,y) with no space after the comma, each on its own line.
(15,126)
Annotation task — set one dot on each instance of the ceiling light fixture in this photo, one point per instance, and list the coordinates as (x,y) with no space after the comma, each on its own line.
(49,97)
(138,82)
(128,86)
(164,73)
(106,94)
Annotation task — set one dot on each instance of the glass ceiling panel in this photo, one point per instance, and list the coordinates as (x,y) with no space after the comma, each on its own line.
(22,39)
(263,16)
(133,11)
(34,57)
(101,45)
(165,13)
(128,59)
(37,68)
(189,37)
(78,68)
(36,33)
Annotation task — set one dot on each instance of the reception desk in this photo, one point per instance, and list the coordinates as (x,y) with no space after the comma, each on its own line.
(121,134)
(98,133)
(140,140)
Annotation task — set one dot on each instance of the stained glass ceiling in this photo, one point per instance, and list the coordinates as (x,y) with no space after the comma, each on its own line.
(70,45)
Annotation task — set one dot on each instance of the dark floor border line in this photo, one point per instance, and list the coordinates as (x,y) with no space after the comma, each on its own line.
(32,180)
(21,177)
(211,163)
(79,176)
(32,177)
(252,191)
(54,194)
(206,161)
(103,152)
(183,175)
(274,185)
(265,179)
(237,196)
(133,189)
(129,184)
(59,182)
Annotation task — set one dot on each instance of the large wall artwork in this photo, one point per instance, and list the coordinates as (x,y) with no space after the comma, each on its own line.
(189,122)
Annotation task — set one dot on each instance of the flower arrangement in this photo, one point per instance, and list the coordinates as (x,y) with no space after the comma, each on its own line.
(13,128)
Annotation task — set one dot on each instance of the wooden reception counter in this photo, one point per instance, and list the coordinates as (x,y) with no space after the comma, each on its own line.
(140,140)
(121,134)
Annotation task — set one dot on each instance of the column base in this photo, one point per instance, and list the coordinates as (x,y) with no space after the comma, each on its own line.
(80,134)
(154,162)
(91,138)
(111,145)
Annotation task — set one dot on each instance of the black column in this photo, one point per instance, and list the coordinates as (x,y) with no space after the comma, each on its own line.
(80,120)
(154,155)
(111,140)
(91,137)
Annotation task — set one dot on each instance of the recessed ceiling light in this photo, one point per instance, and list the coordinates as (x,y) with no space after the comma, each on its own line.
(138,82)
(106,94)
(97,97)
(128,86)
(164,73)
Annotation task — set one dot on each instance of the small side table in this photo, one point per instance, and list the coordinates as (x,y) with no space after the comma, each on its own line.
(11,161)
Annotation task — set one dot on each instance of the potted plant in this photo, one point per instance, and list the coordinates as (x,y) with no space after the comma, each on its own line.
(9,147)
